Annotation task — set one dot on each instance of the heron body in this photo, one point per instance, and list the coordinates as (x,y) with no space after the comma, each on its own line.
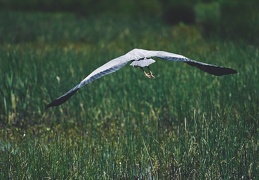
(145,62)
(143,59)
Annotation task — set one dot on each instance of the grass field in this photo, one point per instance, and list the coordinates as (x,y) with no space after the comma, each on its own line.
(184,124)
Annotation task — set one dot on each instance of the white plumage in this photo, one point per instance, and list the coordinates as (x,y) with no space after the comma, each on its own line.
(140,58)
(143,63)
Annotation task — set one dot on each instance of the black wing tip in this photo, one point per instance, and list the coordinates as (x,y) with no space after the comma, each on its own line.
(55,102)
(48,106)
(221,71)
(61,99)
(214,70)
(52,104)
(232,71)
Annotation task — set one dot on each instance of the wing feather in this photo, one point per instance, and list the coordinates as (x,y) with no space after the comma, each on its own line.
(209,68)
(108,68)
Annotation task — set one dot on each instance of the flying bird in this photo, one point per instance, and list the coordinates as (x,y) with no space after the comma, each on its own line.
(143,59)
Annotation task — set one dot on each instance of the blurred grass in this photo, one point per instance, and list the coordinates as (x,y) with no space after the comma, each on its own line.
(183,124)
(228,19)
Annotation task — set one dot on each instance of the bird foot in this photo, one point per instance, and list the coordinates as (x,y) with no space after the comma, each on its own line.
(151,74)
(147,75)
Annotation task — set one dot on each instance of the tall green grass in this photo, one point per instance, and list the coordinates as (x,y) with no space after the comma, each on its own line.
(183,124)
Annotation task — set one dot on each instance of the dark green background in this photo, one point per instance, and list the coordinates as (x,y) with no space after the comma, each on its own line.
(232,19)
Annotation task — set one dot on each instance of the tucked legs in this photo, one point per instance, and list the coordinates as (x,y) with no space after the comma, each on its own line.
(148,75)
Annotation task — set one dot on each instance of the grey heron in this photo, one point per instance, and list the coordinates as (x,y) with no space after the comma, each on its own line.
(143,59)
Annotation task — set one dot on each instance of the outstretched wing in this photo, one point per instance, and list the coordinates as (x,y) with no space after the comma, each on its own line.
(138,55)
(209,68)
(105,69)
